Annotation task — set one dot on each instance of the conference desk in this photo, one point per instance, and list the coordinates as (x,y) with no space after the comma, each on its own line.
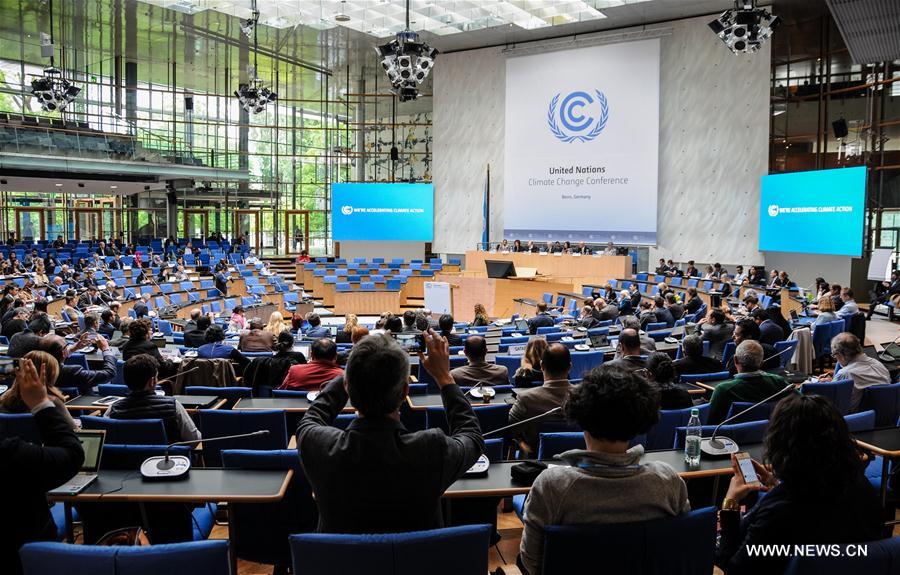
(288,404)
(366,302)
(497,295)
(190,402)
(563,267)
(499,481)
(421,402)
(202,485)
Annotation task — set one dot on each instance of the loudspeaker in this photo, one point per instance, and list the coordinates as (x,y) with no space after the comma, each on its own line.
(395,154)
(171,196)
(840,128)
(188,103)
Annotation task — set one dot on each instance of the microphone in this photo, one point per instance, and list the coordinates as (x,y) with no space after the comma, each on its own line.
(165,297)
(482,391)
(723,446)
(169,468)
(884,355)
(522,423)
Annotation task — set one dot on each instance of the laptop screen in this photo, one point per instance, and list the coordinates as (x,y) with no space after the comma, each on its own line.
(92,443)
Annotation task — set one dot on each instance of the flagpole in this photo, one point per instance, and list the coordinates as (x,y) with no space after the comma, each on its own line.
(487,209)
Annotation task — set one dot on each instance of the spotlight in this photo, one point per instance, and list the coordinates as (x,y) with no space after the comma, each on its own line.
(248,26)
(746,27)
(406,62)
(53,91)
(253,97)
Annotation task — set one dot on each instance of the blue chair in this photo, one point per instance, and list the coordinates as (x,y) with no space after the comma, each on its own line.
(490,417)
(78,359)
(511,363)
(547,297)
(682,545)
(462,550)
(655,326)
(128,431)
(821,340)
(885,401)
(193,558)
(547,329)
(21,425)
(493,449)
(117,389)
(679,353)
(425,377)
(164,327)
(662,435)
(862,421)
(728,353)
(758,413)
(262,529)
(552,444)
(882,558)
(703,377)
(837,391)
(217,423)
(583,362)
(743,433)
(782,347)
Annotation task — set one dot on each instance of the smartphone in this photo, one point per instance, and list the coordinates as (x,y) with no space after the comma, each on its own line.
(108,400)
(745,464)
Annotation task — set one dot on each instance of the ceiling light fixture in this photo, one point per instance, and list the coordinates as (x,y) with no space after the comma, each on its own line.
(52,90)
(249,26)
(253,96)
(342,15)
(406,61)
(746,27)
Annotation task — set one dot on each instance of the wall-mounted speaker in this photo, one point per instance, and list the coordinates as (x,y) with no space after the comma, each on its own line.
(395,154)
(188,103)
(840,128)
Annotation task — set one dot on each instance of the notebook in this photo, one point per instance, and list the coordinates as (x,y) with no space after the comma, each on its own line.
(92,443)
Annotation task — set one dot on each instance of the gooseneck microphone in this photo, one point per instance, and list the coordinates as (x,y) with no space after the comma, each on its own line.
(167,468)
(885,355)
(522,423)
(723,446)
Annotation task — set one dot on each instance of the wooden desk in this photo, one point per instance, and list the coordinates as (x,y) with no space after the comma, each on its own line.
(583,269)
(366,302)
(290,404)
(496,295)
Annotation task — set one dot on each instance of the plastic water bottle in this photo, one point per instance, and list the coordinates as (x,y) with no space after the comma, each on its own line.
(692,440)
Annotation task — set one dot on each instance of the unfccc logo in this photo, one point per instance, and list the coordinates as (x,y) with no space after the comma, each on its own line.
(346,210)
(577,127)
(773,210)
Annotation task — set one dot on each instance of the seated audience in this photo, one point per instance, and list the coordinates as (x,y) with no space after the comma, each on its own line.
(750,385)
(625,303)
(693,361)
(238,320)
(316,329)
(555,364)
(672,395)
(605,483)
(694,303)
(30,338)
(529,372)
(48,368)
(409,323)
(268,371)
(628,351)
(770,331)
(479,370)
(717,331)
(826,313)
(663,314)
(75,375)
(216,348)
(856,365)
(191,324)
(646,313)
(140,374)
(848,306)
(542,319)
(481,316)
(276,324)
(648,345)
(355,473)
(746,329)
(675,307)
(197,336)
(817,491)
(255,338)
(345,333)
(29,470)
(16,323)
(445,324)
(321,368)
(605,312)
(107,324)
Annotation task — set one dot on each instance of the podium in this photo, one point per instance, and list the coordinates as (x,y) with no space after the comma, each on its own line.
(498,295)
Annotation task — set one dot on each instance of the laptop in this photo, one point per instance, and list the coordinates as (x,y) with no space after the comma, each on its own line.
(521,326)
(526,272)
(598,341)
(678,331)
(92,443)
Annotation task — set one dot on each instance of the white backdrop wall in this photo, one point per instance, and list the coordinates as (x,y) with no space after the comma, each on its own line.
(713,146)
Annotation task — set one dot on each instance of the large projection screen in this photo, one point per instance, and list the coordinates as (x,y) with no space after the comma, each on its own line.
(582,144)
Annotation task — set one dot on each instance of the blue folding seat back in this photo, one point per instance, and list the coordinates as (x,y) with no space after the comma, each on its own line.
(552,444)
(838,392)
(490,417)
(683,545)
(756,412)
(885,401)
(583,362)
(219,423)
(462,550)
(196,557)
(743,433)
(20,425)
(662,435)
(862,421)
(128,431)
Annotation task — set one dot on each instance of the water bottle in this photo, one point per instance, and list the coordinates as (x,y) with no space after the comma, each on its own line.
(692,440)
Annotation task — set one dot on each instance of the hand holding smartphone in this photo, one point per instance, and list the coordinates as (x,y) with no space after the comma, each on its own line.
(747,470)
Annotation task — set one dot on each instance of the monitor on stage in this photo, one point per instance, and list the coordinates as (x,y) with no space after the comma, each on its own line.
(500,269)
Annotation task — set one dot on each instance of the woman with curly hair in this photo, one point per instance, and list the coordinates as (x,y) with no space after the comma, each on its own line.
(605,483)
(529,370)
(817,490)
(481,316)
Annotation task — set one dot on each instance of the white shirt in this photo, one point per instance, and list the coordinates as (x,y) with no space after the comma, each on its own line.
(849,308)
(865,372)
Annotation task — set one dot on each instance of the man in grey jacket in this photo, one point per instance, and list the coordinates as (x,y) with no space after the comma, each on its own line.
(605,483)
(556,362)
